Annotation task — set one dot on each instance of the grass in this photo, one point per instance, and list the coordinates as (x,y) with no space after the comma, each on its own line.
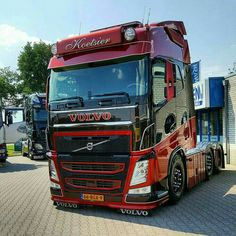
(11,151)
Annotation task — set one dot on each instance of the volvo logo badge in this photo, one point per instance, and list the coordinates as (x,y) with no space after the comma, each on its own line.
(89,146)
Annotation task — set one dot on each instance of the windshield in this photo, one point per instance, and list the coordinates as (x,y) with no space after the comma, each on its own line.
(127,79)
(40,114)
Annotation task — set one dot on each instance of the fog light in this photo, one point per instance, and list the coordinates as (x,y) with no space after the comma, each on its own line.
(54,49)
(143,190)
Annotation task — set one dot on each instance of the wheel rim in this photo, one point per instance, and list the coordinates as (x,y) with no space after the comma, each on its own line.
(177,179)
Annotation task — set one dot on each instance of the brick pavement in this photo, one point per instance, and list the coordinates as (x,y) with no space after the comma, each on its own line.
(26,208)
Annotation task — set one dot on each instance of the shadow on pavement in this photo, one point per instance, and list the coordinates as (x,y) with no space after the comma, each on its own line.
(209,208)
(10,166)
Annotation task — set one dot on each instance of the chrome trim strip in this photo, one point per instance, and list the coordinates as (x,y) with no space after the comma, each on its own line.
(93,124)
(141,143)
(143,203)
(94,109)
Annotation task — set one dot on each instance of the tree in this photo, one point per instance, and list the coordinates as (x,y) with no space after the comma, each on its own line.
(8,84)
(32,66)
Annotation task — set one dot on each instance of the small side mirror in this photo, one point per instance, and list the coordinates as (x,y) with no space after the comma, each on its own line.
(9,119)
(22,129)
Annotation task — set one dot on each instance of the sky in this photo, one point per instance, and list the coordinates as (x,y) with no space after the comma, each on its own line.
(210,25)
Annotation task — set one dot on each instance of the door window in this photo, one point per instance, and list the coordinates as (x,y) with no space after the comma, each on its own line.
(159,83)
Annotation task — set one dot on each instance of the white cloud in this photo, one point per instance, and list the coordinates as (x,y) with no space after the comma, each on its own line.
(10,36)
(210,71)
(11,42)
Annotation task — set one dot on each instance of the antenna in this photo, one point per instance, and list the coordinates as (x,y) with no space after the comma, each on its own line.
(80,24)
(144,13)
(149,13)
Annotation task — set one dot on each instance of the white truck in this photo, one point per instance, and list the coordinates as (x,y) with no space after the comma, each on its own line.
(12,128)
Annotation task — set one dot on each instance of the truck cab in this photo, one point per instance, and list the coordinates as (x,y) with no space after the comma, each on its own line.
(121,124)
(36,122)
(3,149)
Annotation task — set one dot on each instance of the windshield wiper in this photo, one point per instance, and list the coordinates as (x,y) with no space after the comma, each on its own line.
(71,104)
(108,99)
(119,94)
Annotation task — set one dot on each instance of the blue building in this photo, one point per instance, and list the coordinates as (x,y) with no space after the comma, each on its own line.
(209,104)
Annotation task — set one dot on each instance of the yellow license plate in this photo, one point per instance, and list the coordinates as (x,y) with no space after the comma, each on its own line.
(92,197)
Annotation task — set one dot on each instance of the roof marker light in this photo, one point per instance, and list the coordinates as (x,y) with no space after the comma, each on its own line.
(54,49)
(129,34)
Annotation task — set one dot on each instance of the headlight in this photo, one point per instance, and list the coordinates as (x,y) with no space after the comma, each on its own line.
(143,190)
(53,171)
(54,185)
(38,146)
(140,173)
(129,34)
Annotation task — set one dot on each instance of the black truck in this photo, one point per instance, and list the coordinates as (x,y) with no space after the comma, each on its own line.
(36,121)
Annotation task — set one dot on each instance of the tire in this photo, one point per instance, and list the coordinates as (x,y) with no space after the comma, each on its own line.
(209,163)
(176,179)
(24,154)
(218,161)
(30,153)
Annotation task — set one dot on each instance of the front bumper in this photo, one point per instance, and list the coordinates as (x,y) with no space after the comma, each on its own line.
(129,201)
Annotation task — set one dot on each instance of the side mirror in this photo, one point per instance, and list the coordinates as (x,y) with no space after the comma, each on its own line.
(22,129)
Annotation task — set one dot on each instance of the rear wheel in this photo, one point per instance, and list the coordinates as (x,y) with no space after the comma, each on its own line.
(219,159)
(176,179)
(209,163)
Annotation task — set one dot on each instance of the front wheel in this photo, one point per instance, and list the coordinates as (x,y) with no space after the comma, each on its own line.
(30,152)
(176,179)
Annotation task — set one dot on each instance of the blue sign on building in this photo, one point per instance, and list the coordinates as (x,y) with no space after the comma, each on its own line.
(216,91)
(201,94)
(198,94)
(195,71)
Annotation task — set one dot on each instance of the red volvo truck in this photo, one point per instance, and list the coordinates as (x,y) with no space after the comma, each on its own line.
(121,126)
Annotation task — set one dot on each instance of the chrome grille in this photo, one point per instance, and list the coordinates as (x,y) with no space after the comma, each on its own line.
(94,183)
(84,167)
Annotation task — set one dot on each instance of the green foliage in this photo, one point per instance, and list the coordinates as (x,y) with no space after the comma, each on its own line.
(8,84)
(32,66)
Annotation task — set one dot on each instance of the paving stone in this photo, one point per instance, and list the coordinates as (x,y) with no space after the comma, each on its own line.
(26,208)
